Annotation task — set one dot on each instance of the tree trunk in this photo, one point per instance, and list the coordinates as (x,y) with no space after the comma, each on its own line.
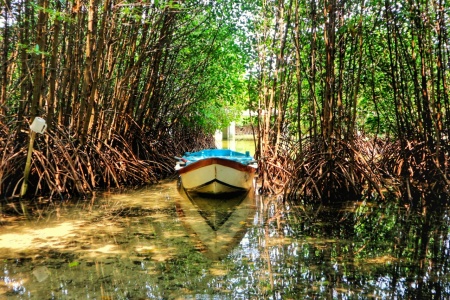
(39,59)
(52,99)
(4,59)
(89,74)
(329,96)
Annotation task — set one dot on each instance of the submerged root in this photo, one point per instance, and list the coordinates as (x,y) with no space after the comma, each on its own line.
(277,166)
(422,175)
(344,171)
(364,168)
(62,167)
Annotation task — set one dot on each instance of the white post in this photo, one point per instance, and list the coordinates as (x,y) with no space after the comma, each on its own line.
(232,130)
(38,126)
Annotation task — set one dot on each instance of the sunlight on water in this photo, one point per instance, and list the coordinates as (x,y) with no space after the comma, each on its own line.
(21,239)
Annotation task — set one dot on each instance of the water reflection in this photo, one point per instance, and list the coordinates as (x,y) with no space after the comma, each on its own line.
(139,245)
(217,223)
(359,250)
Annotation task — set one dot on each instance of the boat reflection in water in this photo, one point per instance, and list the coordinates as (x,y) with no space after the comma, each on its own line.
(216,223)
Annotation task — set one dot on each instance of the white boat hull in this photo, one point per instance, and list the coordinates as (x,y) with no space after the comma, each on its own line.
(217,176)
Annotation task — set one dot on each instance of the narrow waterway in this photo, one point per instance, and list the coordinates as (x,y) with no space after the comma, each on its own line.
(156,243)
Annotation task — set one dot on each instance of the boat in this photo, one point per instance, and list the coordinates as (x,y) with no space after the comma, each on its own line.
(216,171)
(216,227)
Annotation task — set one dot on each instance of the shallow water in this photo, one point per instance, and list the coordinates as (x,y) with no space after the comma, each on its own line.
(155,244)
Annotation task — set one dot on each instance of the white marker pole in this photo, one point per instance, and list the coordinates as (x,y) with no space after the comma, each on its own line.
(38,126)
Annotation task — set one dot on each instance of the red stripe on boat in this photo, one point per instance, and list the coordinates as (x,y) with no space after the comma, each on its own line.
(218,161)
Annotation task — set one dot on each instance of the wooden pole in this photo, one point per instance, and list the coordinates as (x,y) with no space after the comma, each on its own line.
(26,173)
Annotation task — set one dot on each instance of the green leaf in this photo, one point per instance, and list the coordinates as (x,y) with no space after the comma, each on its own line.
(73,264)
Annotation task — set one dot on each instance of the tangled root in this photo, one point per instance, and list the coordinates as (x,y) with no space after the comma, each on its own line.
(344,171)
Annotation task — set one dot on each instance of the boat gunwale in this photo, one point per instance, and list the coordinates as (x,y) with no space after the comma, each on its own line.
(219,161)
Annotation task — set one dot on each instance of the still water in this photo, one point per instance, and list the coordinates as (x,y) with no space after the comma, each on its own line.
(156,243)
(237,144)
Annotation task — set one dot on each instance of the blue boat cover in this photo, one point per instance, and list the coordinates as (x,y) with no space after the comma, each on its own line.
(243,158)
